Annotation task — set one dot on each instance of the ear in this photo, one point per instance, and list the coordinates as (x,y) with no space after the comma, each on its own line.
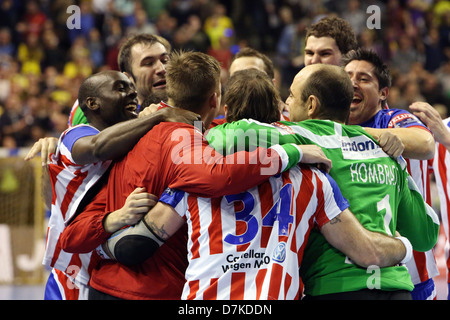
(313,106)
(92,103)
(225,109)
(384,93)
(214,101)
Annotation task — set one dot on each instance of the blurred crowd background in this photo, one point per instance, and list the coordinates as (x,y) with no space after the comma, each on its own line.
(42,61)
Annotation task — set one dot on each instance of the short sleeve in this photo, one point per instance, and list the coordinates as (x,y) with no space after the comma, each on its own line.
(333,200)
(176,199)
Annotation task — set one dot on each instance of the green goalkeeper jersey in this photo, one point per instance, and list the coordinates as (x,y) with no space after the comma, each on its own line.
(381,193)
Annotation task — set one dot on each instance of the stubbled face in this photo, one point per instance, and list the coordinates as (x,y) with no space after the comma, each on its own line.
(322,50)
(117,98)
(148,64)
(368,97)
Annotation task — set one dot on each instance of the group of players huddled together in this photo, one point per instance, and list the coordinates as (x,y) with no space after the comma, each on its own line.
(168,186)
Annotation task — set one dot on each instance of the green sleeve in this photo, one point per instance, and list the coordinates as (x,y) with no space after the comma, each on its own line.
(291,155)
(244,135)
(77,116)
(417,221)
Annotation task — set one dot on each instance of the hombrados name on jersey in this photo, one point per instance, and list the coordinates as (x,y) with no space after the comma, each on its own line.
(360,148)
(374,173)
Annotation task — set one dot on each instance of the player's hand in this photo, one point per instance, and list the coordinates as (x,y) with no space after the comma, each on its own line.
(313,154)
(138,203)
(44,146)
(432,119)
(391,144)
(149,110)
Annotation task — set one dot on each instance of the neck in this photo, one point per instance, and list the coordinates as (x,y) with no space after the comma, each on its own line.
(97,124)
(204,112)
(327,118)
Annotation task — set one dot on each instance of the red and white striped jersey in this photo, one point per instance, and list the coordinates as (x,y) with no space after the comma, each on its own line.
(441,170)
(250,245)
(423,266)
(70,183)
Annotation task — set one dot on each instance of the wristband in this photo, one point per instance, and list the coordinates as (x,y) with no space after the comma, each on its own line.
(409,249)
(300,151)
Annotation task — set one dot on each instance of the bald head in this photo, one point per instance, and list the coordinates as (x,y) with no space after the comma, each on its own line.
(90,86)
(328,86)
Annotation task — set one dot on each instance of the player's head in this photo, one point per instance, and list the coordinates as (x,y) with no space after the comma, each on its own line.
(248,58)
(328,40)
(320,91)
(143,58)
(193,83)
(106,98)
(251,94)
(371,81)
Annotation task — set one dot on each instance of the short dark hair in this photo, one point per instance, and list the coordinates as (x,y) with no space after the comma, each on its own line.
(250,52)
(338,29)
(332,86)
(251,94)
(124,57)
(381,70)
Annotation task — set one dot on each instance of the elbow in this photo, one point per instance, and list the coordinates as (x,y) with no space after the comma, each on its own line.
(426,244)
(425,151)
(73,242)
(430,148)
(69,246)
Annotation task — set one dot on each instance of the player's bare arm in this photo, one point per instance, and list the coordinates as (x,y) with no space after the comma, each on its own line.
(418,142)
(115,141)
(363,247)
(135,244)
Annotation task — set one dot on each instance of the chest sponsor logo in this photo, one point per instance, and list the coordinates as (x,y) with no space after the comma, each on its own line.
(360,148)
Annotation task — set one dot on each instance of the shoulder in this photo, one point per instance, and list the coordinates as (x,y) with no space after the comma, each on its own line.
(72,134)
(402,118)
(167,129)
(218,122)
(81,129)
(169,134)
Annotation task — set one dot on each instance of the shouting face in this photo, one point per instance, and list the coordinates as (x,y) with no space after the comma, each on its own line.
(368,97)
